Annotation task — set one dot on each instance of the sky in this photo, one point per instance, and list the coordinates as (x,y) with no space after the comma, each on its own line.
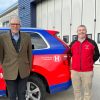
(4,4)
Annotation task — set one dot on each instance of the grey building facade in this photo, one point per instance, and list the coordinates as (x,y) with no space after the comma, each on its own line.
(5,15)
(62,15)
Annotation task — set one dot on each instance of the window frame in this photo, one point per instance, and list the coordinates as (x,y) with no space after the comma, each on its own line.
(42,37)
(66,37)
(74,36)
(89,35)
(98,38)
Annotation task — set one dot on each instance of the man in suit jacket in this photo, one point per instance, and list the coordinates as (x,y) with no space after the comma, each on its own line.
(16,59)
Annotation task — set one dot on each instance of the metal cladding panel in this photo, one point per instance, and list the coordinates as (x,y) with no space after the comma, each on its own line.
(39,14)
(89,15)
(45,15)
(51,19)
(49,14)
(97,26)
(66,17)
(76,14)
(98,16)
(58,16)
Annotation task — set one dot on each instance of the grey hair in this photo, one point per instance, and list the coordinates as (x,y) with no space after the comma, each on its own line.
(15,17)
(82,26)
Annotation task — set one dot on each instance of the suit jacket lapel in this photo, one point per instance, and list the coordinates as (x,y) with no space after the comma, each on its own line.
(21,40)
(9,40)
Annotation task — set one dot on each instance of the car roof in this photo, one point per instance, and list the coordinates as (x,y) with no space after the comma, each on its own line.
(53,32)
(61,48)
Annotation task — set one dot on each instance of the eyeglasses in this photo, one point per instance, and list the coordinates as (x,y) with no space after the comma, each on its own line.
(82,33)
(14,24)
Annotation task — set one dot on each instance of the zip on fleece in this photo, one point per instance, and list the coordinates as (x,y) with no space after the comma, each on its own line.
(81,57)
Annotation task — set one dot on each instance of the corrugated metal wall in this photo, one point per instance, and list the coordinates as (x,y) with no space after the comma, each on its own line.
(25,12)
(54,14)
(66,15)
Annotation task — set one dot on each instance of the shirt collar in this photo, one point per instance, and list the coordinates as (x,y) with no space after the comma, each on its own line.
(15,34)
(81,40)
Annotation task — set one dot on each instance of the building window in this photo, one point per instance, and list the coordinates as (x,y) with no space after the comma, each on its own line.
(75,37)
(6,24)
(66,38)
(89,36)
(98,37)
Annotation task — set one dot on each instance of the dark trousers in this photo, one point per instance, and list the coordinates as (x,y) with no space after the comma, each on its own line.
(17,88)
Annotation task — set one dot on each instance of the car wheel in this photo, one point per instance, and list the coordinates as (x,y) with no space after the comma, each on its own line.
(35,89)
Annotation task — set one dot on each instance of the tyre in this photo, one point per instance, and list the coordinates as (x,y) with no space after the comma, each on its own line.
(35,89)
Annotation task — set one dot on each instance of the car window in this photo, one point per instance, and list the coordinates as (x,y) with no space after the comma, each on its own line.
(3,32)
(37,41)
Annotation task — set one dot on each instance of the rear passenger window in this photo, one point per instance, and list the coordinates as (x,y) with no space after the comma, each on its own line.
(3,32)
(37,41)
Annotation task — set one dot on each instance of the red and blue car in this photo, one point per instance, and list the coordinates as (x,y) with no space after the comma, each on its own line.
(50,68)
